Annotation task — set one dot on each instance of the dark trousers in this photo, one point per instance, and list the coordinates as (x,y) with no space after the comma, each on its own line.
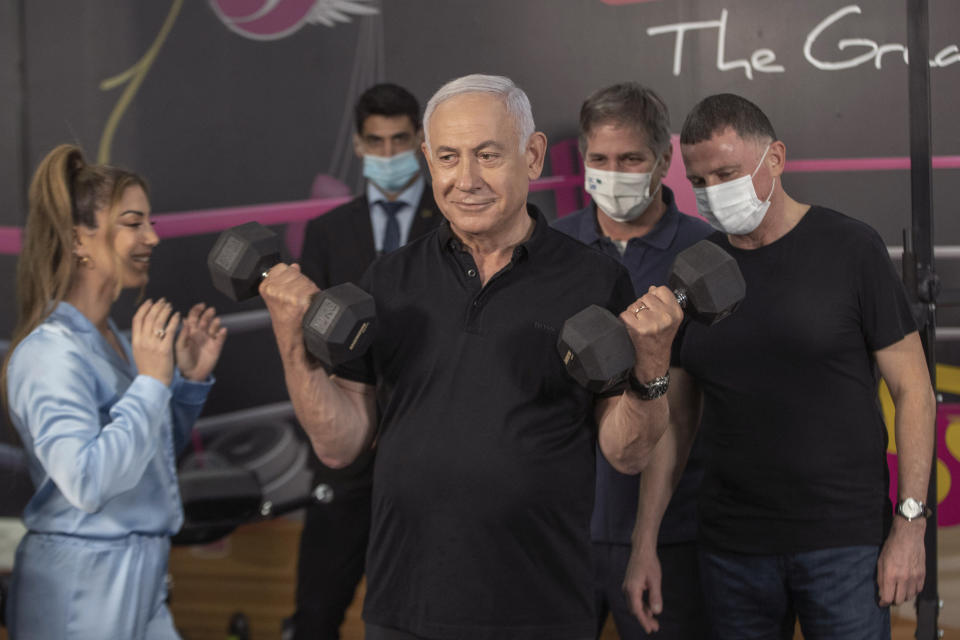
(684,615)
(833,593)
(374,632)
(333,549)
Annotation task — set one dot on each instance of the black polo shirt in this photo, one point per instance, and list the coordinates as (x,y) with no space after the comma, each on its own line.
(483,485)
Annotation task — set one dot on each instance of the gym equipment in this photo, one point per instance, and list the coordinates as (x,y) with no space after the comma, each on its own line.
(245,474)
(16,489)
(217,501)
(239,627)
(16,486)
(338,325)
(595,346)
(4,587)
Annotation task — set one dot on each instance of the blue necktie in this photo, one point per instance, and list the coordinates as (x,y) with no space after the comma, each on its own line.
(391,235)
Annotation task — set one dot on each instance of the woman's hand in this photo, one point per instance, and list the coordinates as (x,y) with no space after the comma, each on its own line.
(200,342)
(152,334)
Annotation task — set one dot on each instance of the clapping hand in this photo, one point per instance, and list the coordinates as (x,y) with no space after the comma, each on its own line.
(200,342)
(151,338)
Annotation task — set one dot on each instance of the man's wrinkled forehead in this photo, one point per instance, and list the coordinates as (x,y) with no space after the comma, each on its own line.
(472,114)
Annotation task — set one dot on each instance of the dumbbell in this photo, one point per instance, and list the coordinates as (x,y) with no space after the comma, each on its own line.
(338,325)
(594,344)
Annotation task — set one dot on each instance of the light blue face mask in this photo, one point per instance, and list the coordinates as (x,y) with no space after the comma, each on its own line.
(392,173)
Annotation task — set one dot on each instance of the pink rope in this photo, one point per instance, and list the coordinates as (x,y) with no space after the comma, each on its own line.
(866,164)
(188,223)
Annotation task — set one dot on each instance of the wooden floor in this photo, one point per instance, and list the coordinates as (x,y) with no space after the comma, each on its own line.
(253,572)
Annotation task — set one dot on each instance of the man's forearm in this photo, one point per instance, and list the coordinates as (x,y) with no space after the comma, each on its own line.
(914,429)
(656,488)
(657,484)
(629,429)
(903,366)
(336,414)
(669,459)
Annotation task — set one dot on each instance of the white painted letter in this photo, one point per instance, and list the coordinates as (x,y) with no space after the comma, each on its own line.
(887,48)
(761,59)
(820,28)
(947,56)
(681,28)
(721,45)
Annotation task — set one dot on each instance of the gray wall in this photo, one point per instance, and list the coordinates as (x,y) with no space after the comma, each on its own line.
(224,120)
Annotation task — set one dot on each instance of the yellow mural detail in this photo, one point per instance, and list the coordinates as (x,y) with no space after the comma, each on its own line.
(886,404)
(948,381)
(952,436)
(943,481)
(134,77)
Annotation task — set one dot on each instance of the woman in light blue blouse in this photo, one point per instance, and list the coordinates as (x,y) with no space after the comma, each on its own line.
(101,418)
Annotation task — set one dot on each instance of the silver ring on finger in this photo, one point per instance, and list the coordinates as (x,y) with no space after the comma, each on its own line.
(160,333)
(637,310)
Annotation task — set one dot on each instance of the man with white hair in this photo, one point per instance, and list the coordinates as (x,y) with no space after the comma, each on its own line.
(483,485)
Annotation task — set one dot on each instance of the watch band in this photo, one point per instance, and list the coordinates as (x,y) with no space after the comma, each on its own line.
(912,509)
(649,390)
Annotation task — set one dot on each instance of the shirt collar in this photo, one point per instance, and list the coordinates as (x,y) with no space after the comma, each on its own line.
(73,319)
(449,241)
(410,196)
(71,316)
(660,237)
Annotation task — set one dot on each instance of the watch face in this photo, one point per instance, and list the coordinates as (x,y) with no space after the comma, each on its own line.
(910,508)
(650,390)
(657,387)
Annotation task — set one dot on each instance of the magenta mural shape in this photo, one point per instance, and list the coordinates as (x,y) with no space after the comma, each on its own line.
(275,19)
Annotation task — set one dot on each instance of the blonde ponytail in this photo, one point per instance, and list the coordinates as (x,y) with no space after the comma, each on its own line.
(65,192)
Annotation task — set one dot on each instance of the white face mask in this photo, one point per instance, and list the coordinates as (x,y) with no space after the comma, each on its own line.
(621,195)
(733,207)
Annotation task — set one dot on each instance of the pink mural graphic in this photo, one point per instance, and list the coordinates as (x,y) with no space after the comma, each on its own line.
(948,465)
(275,19)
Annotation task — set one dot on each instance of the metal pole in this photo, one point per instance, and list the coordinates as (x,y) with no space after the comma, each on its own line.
(921,189)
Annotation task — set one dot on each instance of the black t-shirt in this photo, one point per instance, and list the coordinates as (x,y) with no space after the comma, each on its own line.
(791,414)
(483,484)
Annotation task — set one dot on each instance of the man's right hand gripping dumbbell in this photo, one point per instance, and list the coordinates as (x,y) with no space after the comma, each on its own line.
(337,323)
(595,345)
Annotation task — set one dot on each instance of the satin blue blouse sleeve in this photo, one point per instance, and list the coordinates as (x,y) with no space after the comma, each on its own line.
(188,400)
(90,457)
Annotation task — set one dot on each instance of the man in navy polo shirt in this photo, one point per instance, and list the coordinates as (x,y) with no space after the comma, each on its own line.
(625,143)
(483,484)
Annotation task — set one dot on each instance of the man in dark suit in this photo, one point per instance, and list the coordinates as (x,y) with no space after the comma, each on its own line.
(397,206)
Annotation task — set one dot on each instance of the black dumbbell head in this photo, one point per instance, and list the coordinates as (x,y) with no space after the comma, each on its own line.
(339,324)
(710,279)
(596,349)
(240,257)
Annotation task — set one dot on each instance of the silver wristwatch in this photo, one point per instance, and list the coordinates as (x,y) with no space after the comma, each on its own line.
(911,509)
(650,390)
